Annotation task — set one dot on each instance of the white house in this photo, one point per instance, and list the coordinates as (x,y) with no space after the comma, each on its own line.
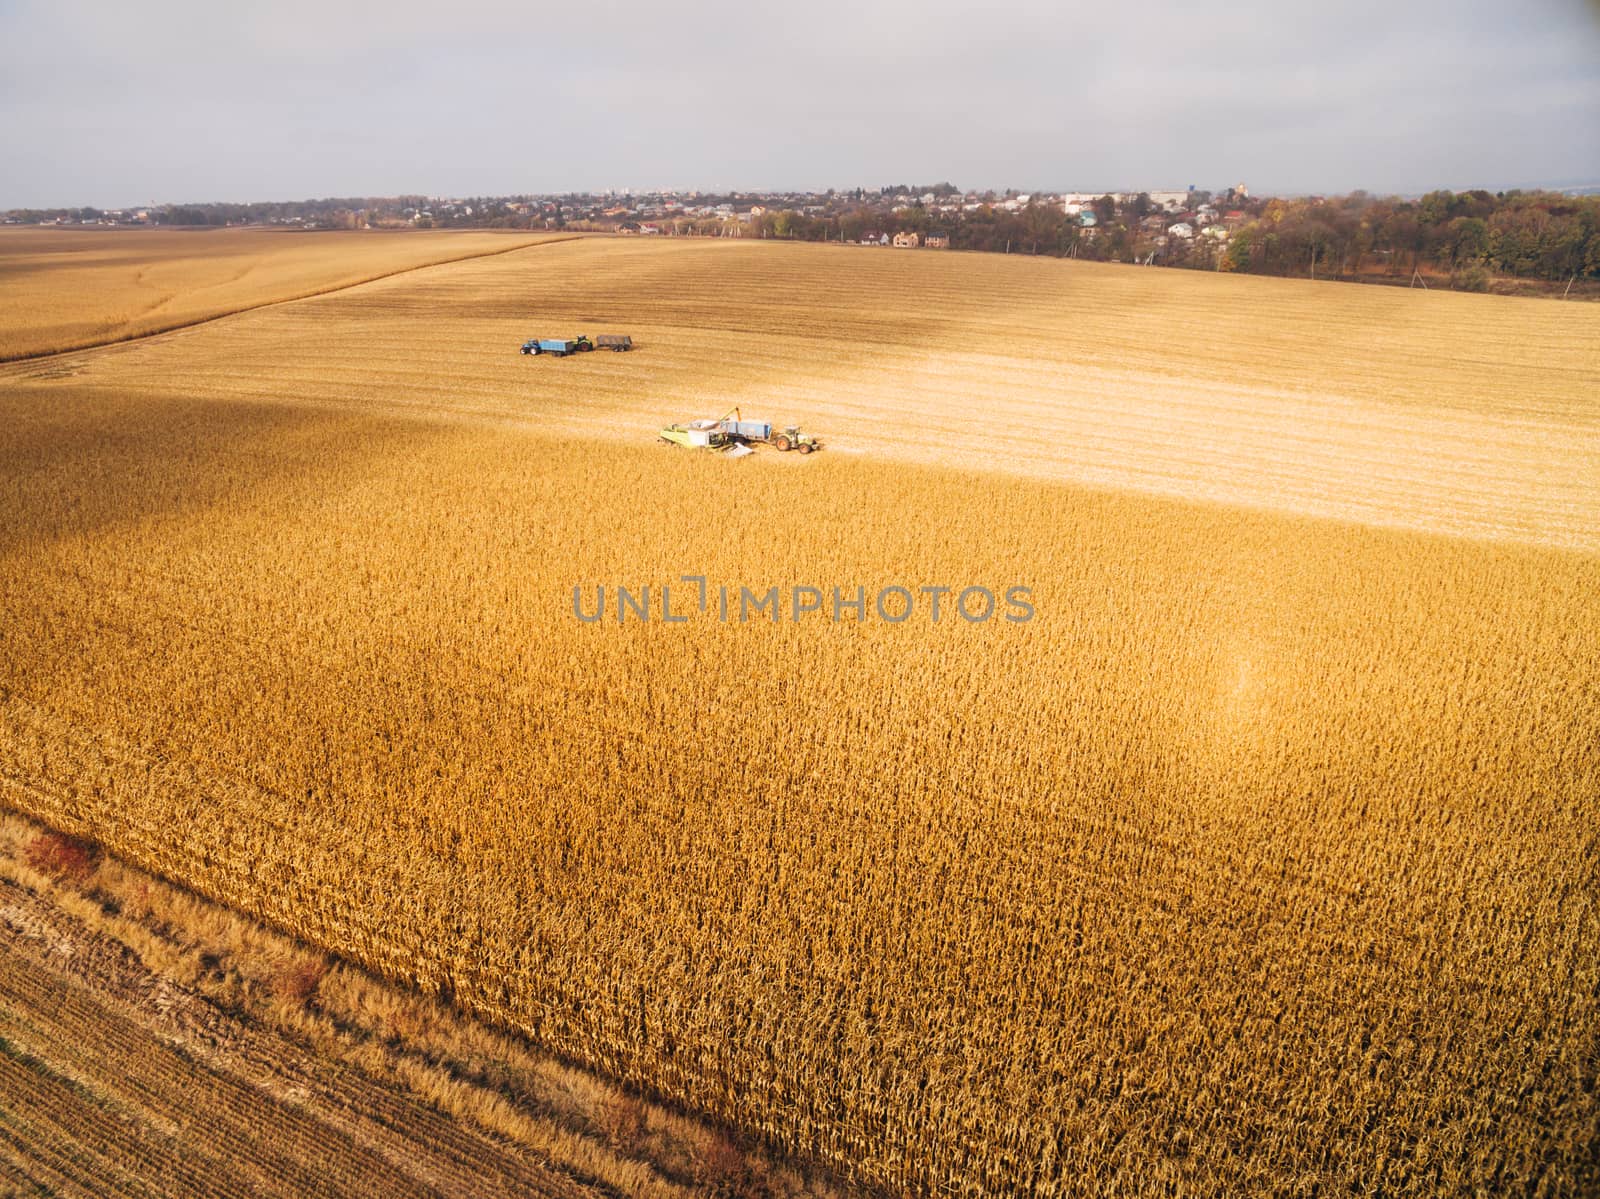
(1181,229)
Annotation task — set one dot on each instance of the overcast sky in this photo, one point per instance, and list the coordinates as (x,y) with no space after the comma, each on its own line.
(176,100)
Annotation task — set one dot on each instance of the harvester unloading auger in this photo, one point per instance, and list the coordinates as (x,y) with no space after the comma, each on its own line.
(732,434)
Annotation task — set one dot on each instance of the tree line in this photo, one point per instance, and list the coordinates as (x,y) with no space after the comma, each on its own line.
(1465,235)
(1468,237)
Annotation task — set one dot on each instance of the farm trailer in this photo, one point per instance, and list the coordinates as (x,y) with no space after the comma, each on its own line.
(788,438)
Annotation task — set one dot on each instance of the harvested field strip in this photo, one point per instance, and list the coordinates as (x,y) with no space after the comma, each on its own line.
(19,312)
(183,1126)
(107,1150)
(272,1147)
(1071,372)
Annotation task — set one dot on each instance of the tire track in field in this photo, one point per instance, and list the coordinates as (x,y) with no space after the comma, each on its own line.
(178,326)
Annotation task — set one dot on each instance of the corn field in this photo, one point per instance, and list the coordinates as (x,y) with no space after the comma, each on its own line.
(1264,858)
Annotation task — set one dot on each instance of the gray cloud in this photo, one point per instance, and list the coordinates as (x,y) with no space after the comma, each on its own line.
(177,100)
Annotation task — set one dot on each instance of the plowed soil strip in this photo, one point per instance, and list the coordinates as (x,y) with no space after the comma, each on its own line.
(115,1081)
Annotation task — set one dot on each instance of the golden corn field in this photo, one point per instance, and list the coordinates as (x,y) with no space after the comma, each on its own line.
(1264,858)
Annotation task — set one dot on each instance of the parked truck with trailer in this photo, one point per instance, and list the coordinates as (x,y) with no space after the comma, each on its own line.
(562,346)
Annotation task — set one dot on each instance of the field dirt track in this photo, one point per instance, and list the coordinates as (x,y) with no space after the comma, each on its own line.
(1262,859)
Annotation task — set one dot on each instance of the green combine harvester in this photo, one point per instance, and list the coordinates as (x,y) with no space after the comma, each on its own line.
(698,435)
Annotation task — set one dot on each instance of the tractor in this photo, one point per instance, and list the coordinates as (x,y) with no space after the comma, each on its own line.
(790,438)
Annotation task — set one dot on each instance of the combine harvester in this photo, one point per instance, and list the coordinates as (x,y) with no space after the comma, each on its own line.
(733,435)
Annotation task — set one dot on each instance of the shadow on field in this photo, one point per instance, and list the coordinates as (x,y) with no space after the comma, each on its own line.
(74,463)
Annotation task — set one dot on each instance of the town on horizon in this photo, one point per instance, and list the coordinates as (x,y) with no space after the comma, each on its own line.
(1513,241)
(607,203)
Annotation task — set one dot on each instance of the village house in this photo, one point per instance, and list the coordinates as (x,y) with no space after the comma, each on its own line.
(906,241)
(937,241)
(1169,200)
(1074,202)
